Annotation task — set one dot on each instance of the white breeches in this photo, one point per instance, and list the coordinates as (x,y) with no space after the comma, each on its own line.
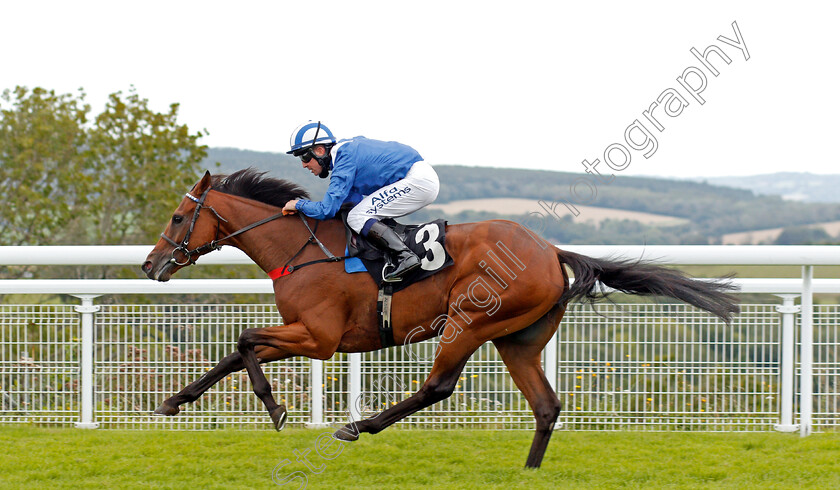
(419,188)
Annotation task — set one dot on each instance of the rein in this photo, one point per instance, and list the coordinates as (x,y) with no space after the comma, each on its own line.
(288,269)
(212,245)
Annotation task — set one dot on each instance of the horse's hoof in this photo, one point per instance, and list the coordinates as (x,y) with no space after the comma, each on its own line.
(347,433)
(279,416)
(166,410)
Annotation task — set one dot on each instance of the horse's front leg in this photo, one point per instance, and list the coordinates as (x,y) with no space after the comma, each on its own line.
(229,364)
(293,339)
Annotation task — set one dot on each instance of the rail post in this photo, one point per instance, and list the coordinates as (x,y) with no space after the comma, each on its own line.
(551,368)
(355,389)
(806,377)
(788,311)
(86,310)
(316,394)
(551,361)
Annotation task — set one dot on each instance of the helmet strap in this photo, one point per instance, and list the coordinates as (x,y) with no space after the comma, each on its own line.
(317,130)
(325,162)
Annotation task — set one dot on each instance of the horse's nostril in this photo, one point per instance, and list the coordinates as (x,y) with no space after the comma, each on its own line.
(147,266)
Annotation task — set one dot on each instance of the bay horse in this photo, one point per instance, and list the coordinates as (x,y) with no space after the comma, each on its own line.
(506,285)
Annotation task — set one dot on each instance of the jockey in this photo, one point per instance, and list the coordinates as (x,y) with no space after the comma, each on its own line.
(382,179)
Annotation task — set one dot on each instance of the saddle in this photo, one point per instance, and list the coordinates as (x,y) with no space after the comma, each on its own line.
(426,240)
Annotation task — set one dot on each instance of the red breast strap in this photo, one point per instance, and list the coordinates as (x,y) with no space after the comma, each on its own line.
(280,272)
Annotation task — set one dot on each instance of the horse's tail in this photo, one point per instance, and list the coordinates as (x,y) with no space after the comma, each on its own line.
(636,277)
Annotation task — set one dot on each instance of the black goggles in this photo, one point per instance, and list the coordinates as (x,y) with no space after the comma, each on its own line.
(307,154)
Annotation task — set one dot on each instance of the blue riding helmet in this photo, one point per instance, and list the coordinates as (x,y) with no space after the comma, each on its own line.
(309,134)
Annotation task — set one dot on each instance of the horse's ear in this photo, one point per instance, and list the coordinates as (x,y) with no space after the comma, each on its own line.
(205,181)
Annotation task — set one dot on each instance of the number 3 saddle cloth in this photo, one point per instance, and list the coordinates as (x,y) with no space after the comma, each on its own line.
(426,240)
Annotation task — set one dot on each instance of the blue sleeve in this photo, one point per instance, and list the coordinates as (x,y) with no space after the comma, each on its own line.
(354,198)
(338,191)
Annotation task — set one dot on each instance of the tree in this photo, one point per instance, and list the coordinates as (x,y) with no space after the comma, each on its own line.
(803,235)
(66,179)
(42,164)
(142,162)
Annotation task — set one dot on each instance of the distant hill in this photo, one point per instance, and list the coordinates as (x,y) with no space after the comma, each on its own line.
(519,206)
(706,212)
(792,186)
(770,236)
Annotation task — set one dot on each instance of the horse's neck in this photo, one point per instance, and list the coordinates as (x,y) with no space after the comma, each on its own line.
(273,244)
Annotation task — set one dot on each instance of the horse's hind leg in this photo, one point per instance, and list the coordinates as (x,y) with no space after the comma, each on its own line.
(450,361)
(229,364)
(455,348)
(521,353)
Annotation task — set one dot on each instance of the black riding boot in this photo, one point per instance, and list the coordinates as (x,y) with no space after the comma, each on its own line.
(385,239)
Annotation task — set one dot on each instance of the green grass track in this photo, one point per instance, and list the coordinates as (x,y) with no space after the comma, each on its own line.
(71,458)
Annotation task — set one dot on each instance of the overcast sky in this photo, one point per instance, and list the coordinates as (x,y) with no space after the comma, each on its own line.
(509,84)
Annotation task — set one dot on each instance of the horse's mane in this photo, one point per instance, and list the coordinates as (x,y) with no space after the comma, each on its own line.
(253,184)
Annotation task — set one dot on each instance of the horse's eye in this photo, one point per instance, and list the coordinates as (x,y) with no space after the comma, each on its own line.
(177,219)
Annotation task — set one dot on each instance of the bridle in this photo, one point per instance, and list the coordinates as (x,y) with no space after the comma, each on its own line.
(192,255)
(183,247)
